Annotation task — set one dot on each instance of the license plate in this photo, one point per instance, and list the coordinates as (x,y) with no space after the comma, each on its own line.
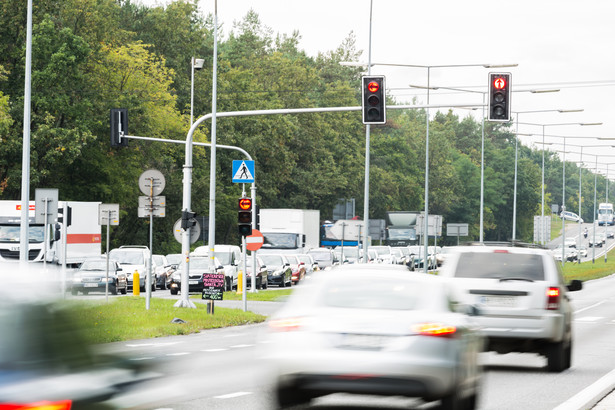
(356,341)
(193,282)
(15,248)
(90,285)
(498,301)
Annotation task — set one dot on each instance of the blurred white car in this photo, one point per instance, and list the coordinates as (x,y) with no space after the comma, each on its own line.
(373,329)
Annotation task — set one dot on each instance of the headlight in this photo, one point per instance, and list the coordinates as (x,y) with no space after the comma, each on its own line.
(76,279)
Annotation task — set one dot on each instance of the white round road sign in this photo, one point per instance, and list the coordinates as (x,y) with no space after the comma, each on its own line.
(151,182)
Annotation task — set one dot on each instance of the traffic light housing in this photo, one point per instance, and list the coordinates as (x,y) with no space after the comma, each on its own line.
(373,100)
(188,220)
(244,216)
(68,214)
(118,119)
(499,96)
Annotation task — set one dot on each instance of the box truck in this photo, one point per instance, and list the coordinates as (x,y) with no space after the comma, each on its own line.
(83,237)
(289,230)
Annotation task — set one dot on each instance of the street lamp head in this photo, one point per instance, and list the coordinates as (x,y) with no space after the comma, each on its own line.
(198,63)
(500,65)
(546,90)
(589,123)
(573,110)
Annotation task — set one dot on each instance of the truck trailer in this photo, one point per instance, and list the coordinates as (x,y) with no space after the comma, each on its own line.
(289,230)
(83,237)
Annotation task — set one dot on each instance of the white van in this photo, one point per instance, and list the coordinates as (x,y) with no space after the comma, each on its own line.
(134,259)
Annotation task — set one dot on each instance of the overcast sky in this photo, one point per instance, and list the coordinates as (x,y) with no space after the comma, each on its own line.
(557,44)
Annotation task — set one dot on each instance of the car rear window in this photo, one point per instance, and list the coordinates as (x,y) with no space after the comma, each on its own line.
(384,293)
(499,265)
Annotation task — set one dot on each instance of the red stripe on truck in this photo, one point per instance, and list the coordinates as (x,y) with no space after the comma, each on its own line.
(83,238)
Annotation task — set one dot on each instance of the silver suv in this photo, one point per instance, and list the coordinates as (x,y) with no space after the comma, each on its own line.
(520,297)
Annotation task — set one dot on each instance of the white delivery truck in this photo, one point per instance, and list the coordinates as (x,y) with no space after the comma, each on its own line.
(289,230)
(83,238)
(605,214)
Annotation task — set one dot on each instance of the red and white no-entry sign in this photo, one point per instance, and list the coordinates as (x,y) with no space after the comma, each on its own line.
(254,241)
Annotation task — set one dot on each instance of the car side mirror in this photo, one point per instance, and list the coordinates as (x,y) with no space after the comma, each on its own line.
(575,285)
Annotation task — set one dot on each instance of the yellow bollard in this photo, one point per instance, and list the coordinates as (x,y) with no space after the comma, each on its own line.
(240,283)
(136,284)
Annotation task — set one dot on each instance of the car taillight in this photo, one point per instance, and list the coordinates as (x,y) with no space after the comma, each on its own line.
(286,325)
(435,329)
(552,298)
(41,405)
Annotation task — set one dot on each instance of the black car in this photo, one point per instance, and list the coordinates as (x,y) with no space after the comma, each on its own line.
(198,267)
(92,277)
(279,271)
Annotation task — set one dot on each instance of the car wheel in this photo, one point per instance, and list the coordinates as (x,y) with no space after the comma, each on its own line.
(114,290)
(174,291)
(452,401)
(265,284)
(290,397)
(558,358)
(154,286)
(283,282)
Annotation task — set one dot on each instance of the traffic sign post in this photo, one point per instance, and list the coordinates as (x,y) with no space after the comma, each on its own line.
(151,183)
(108,214)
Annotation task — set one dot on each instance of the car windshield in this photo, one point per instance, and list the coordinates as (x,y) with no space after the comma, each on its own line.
(158,260)
(174,259)
(382,250)
(500,265)
(385,293)
(292,259)
(124,257)
(305,259)
(10,233)
(280,240)
(402,233)
(322,256)
(272,260)
(199,263)
(95,265)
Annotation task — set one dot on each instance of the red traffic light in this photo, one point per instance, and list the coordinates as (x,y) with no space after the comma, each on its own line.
(499,83)
(245,204)
(373,86)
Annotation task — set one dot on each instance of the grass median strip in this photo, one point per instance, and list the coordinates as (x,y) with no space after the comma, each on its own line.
(125,318)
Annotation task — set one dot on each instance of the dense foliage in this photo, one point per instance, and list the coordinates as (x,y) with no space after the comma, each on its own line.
(93,55)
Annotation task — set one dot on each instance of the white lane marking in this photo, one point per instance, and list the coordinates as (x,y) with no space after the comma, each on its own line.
(588,319)
(233,395)
(142,358)
(240,346)
(235,335)
(214,350)
(591,395)
(588,307)
(140,345)
(178,354)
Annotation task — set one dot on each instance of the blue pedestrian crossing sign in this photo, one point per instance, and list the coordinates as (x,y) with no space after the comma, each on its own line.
(243,171)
